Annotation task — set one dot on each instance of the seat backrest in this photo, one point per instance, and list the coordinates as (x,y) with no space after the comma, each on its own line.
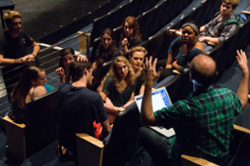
(226,56)
(113,19)
(99,25)
(42,123)
(95,45)
(181,88)
(240,147)
(123,140)
(117,32)
(11,75)
(202,14)
(155,44)
(243,37)
(145,23)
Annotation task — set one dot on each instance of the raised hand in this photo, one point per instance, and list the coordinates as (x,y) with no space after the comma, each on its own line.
(242,61)
(151,74)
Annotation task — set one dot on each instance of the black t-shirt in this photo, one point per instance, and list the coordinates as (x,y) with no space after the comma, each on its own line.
(79,108)
(140,80)
(118,99)
(14,47)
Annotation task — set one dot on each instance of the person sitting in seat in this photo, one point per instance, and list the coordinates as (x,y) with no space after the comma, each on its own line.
(130,36)
(107,49)
(212,31)
(184,48)
(136,58)
(67,56)
(79,108)
(30,85)
(118,87)
(202,123)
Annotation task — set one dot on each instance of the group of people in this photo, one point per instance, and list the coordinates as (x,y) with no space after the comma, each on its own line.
(210,111)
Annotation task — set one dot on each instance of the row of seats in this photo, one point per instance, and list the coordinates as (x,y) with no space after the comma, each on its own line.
(114,19)
(65,32)
(157,45)
(150,21)
(156,18)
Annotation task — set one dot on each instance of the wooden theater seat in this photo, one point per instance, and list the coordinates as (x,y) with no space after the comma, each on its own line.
(16,138)
(242,148)
(25,140)
(89,150)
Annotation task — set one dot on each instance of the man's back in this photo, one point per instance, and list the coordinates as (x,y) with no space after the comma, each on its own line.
(205,122)
(79,108)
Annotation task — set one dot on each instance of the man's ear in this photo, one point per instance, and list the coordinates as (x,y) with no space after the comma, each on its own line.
(85,71)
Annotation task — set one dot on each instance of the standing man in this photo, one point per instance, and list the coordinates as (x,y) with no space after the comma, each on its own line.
(14,42)
(202,123)
(79,108)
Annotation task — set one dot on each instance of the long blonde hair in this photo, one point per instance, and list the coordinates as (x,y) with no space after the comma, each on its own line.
(130,78)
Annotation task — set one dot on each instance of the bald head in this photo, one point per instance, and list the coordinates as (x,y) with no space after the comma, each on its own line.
(203,69)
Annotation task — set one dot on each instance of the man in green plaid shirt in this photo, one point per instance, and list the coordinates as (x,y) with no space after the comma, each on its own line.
(202,123)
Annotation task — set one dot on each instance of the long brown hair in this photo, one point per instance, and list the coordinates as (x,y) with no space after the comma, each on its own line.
(65,52)
(132,21)
(130,78)
(102,54)
(21,89)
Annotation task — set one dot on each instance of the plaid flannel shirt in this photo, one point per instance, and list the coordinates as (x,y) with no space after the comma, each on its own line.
(202,123)
(212,28)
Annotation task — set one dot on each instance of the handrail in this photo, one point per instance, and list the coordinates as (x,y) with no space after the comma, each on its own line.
(87,35)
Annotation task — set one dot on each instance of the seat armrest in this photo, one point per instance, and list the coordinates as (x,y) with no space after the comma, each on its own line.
(7,119)
(236,127)
(16,137)
(245,12)
(89,150)
(211,44)
(195,161)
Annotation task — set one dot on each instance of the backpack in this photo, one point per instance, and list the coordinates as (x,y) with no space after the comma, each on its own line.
(237,20)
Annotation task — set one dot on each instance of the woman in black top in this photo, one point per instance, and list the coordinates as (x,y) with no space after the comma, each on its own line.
(130,36)
(107,49)
(30,85)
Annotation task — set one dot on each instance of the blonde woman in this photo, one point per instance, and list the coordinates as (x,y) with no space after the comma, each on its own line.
(118,87)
